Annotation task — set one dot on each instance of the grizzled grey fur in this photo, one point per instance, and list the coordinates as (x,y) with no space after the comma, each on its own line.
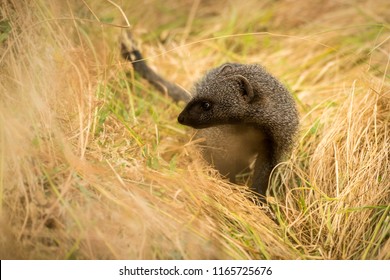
(242,111)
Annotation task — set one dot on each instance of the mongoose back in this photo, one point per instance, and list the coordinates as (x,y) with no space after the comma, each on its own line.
(242,111)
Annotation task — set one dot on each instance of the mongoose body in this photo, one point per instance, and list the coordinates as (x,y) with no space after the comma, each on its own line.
(241,111)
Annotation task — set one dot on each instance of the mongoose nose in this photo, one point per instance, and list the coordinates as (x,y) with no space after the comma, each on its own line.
(180,119)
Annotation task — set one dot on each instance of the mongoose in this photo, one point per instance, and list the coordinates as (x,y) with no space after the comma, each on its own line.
(242,111)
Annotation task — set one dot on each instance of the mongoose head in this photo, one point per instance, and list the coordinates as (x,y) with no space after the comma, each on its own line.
(221,98)
(243,94)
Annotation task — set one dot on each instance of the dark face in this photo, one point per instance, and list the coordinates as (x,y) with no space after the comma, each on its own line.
(197,114)
(218,102)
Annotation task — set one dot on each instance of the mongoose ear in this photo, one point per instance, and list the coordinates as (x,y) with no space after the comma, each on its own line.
(225,68)
(247,90)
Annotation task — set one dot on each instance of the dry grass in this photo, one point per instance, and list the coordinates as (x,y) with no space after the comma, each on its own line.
(94,166)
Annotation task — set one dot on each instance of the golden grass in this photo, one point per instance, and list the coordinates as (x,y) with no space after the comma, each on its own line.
(93,164)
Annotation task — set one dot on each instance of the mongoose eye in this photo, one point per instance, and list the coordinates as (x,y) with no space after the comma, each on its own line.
(205,105)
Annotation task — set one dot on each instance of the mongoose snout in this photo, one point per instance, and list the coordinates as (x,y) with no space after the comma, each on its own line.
(196,114)
(181,119)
